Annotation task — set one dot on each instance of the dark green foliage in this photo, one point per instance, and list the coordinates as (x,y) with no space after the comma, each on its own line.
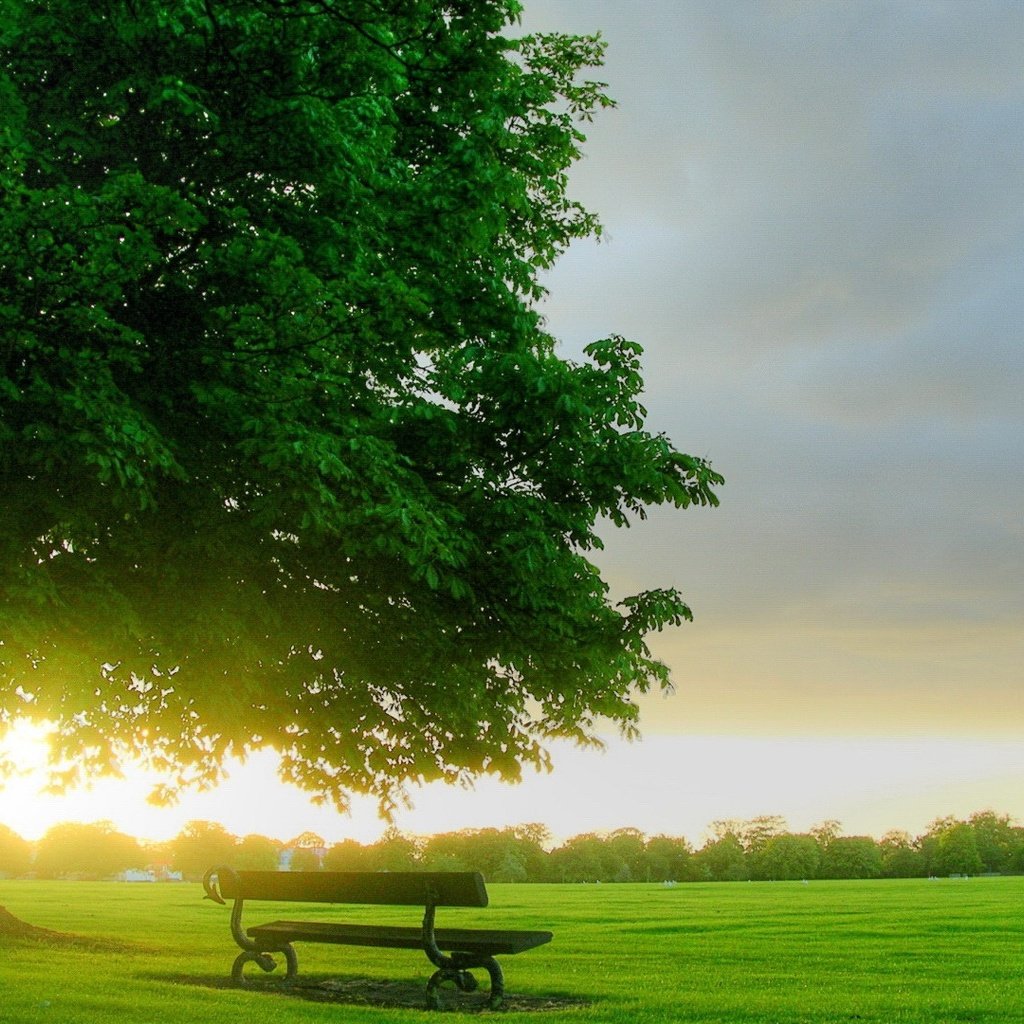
(957,852)
(785,857)
(851,857)
(723,860)
(901,856)
(995,839)
(669,859)
(287,456)
(501,855)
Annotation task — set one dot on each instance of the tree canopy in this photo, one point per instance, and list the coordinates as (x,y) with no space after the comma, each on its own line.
(288,456)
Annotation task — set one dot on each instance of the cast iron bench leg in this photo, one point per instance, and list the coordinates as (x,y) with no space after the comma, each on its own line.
(497,983)
(458,973)
(265,962)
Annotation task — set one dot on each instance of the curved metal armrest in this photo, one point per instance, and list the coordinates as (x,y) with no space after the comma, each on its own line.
(211,882)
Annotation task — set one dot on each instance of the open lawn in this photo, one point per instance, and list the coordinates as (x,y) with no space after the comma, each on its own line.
(743,953)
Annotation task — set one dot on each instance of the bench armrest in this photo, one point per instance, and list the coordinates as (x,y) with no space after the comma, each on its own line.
(211,883)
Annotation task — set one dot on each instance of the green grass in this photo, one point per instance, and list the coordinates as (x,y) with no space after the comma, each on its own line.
(890,952)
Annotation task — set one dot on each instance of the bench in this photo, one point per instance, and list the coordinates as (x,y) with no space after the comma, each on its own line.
(455,952)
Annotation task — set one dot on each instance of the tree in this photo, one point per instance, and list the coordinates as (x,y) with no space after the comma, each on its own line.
(288,457)
(585,858)
(723,859)
(93,850)
(348,855)
(785,857)
(757,832)
(308,851)
(530,841)
(501,855)
(1016,859)
(826,832)
(627,849)
(995,838)
(669,859)
(255,853)
(202,845)
(304,859)
(394,851)
(851,857)
(958,851)
(900,857)
(15,854)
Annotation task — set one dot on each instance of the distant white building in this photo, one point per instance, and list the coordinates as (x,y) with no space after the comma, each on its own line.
(156,873)
(136,875)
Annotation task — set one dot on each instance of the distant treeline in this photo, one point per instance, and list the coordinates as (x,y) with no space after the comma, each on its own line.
(761,848)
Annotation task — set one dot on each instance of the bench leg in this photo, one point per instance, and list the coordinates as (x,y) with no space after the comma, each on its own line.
(497,983)
(459,975)
(265,962)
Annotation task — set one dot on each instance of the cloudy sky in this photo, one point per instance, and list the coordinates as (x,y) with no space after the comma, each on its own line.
(815,214)
(815,227)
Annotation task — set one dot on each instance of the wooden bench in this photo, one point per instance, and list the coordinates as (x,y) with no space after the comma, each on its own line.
(453,951)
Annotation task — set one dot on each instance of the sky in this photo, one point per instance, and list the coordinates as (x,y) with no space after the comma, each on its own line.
(814,217)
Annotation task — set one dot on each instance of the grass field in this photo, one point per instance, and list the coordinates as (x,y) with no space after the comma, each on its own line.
(743,953)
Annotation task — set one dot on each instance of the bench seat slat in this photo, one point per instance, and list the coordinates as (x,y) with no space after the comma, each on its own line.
(476,941)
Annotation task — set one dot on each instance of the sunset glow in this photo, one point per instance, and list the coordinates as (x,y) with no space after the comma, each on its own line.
(668,784)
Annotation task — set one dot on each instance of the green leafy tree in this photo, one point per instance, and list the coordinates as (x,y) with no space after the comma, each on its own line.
(501,855)
(585,858)
(202,845)
(901,857)
(1016,859)
(288,458)
(513,854)
(957,851)
(996,839)
(512,868)
(394,851)
(669,859)
(256,853)
(851,857)
(348,855)
(722,859)
(446,852)
(627,848)
(785,857)
(752,833)
(90,851)
(15,854)
(531,842)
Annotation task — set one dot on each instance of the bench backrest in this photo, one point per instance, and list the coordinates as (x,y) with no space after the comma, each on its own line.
(408,888)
